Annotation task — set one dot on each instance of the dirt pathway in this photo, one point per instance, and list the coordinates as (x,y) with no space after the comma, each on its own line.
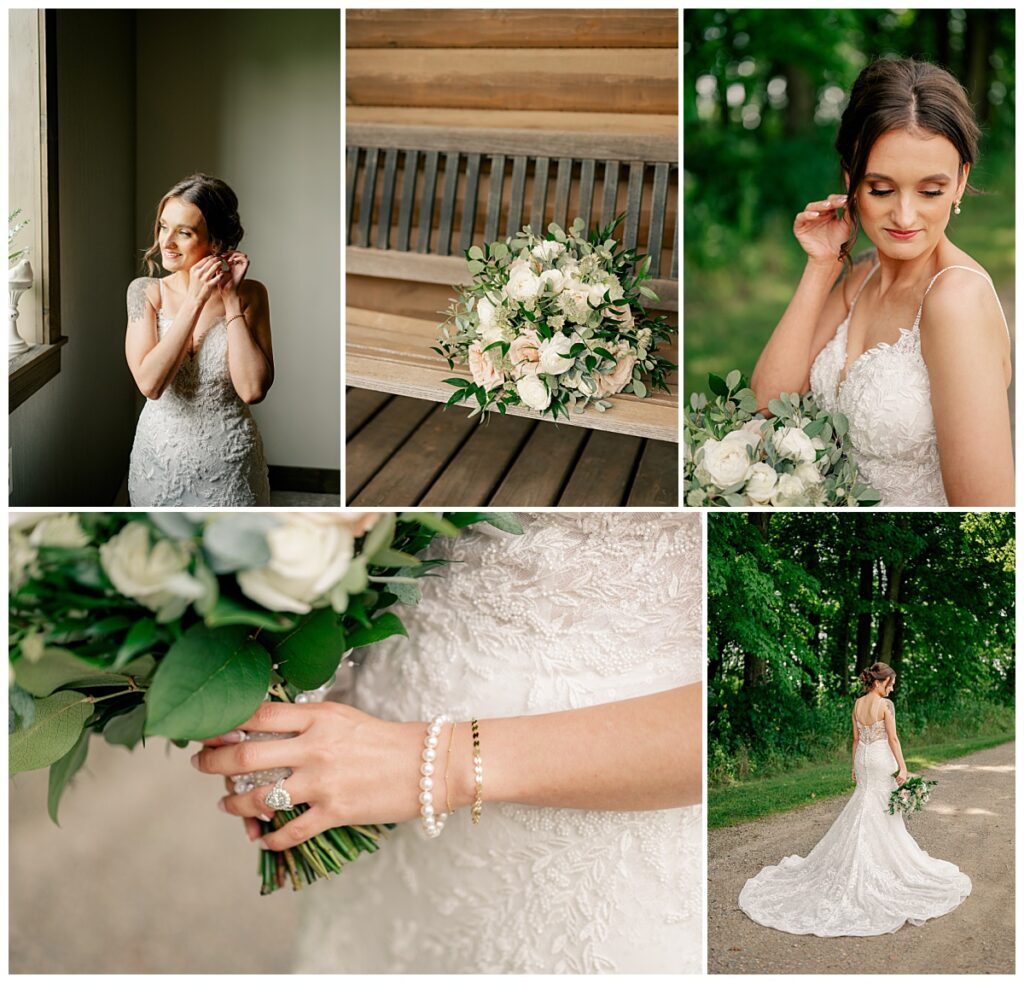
(970,822)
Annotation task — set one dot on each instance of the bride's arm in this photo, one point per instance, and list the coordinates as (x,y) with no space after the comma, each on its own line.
(250,353)
(964,344)
(894,741)
(351,768)
(856,740)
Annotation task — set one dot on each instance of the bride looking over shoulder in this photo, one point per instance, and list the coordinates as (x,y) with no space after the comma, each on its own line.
(910,342)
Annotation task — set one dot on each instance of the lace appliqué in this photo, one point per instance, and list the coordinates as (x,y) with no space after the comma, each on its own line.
(582,609)
(198,444)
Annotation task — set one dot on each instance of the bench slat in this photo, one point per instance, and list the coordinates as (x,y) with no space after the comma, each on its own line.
(451,177)
(469,202)
(586,190)
(603,473)
(611,191)
(542,469)
(540,195)
(360,407)
(369,190)
(427,200)
(387,198)
(634,191)
(657,477)
(516,193)
(392,353)
(382,436)
(405,205)
(494,190)
(562,183)
(674,268)
(657,217)
(351,176)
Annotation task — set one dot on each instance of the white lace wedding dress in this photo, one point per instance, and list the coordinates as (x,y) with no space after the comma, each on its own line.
(198,445)
(886,397)
(866,875)
(581,609)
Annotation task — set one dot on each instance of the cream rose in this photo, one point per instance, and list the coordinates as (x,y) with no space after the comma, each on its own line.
(548,250)
(533,392)
(154,574)
(552,280)
(59,530)
(523,285)
(523,352)
(483,369)
(788,491)
(21,555)
(356,523)
(761,483)
(622,315)
(609,383)
(808,473)
(726,462)
(793,443)
(551,354)
(308,558)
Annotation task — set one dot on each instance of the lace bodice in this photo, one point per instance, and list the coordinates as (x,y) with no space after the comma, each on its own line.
(582,609)
(198,443)
(886,396)
(869,733)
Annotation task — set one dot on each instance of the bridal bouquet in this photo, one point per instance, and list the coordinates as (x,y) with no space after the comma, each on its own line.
(180,624)
(912,796)
(734,456)
(555,324)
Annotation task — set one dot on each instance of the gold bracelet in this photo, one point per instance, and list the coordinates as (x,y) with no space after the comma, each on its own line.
(241,314)
(448,761)
(478,774)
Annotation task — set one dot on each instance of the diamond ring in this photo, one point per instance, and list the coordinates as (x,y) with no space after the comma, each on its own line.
(278,797)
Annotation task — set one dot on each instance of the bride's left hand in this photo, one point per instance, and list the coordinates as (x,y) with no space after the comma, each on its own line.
(350,768)
(238,266)
(901,777)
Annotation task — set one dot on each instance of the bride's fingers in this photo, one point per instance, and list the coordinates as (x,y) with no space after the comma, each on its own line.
(300,829)
(253,804)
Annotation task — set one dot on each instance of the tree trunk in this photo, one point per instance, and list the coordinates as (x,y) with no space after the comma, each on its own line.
(841,652)
(865,586)
(887,630)
(977,43)
(799,111)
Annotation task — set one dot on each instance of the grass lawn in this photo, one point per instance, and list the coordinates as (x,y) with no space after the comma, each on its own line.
(746,801)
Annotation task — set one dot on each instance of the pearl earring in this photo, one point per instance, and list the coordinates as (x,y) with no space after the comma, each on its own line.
(956,207)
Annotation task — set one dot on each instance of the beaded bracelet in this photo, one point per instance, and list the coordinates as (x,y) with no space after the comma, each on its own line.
(478,774)
(432,825)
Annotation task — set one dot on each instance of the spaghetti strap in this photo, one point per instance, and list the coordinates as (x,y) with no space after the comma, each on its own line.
(860,289)
(970,269)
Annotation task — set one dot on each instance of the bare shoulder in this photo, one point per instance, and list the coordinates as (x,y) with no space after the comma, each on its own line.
(888,708)
(853,276)
(143,291)
(962,308)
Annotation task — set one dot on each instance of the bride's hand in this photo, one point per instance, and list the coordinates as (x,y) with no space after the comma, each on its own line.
(821,230)
(853,775)
(204,278)
(238,266)
(902,776)
(348,767)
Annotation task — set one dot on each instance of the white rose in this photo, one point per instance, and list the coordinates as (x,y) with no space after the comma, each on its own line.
(487,313)
(59,530)
(356,523)
(552,279)
(548,251)
(551,352)
(523,285)
(595,293)
(743,436)
(21,555)
(808,473)
(307,559)
(789,491)
(533,391)
(725,462)
(761,483)
(793,443)
(154,574)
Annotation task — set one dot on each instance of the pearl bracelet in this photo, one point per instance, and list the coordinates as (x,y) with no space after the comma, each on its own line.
(432,824)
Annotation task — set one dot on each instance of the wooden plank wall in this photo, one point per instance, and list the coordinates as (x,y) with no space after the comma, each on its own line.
(601,71)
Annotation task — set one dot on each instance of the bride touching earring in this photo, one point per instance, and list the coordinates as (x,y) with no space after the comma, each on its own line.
(866,875)
(910,344)
(198,345)
(576,839)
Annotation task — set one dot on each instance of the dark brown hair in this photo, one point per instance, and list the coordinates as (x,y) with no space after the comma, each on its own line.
(874,674)
(217,202)
(897,94)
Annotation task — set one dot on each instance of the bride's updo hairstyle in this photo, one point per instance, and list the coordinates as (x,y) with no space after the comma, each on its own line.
(877,673)
(901,94)
(217,202)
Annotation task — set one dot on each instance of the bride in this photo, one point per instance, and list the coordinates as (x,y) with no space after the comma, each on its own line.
(198,345)
(578,647)
(910,344)
(867,875)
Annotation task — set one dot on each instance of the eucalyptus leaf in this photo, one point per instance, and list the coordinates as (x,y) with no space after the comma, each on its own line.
(57,667)
(126,729)
(309,654)
(62,771)
(210,681)
(58,723)
(381,627)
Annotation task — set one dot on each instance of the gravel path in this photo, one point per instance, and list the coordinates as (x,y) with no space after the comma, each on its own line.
(970,822)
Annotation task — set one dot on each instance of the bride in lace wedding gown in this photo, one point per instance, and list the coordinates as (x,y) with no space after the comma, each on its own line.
(867,875)
(913,349)
(582,609)
(198,345)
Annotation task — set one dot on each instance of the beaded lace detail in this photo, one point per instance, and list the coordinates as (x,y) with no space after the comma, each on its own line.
(582,609)
(198,444)
(866,875)
(886,396)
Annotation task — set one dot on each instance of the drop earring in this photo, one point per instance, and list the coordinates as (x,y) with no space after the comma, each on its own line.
(956,207)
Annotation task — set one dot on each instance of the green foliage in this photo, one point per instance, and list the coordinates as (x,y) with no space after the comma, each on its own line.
(799,603)
(54,731)
(308,655)
(62,771)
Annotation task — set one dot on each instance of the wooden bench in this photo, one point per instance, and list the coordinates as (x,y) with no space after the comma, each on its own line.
(418,196)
